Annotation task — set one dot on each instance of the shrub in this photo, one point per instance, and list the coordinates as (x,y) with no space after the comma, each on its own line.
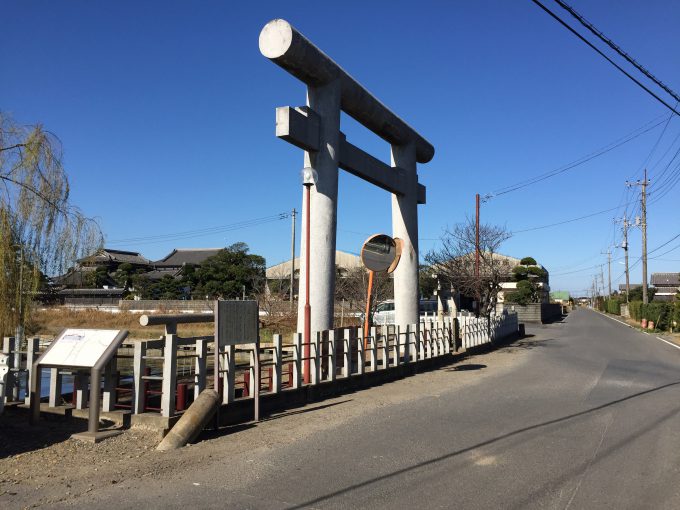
(520,273)
(635,309)
(536,271)
(613,306)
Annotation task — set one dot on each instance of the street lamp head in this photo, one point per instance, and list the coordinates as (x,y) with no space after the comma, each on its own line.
(309,176)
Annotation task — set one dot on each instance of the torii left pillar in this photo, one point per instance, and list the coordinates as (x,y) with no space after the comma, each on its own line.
(324,100)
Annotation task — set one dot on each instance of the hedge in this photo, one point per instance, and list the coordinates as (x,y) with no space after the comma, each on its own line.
(663,314)
(613,306)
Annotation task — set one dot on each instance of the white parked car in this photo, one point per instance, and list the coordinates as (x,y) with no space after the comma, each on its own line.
(384,312)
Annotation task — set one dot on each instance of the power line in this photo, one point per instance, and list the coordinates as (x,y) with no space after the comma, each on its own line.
(665,244)
(568,221)
(637,82)
(617,49)
(580,161)
(189,234)
(666,252)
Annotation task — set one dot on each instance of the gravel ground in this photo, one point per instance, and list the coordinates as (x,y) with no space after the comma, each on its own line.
(42,467)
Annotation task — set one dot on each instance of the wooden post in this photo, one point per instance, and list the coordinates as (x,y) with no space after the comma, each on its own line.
(139,366)
(408,348)
(108,395)
(373,348)
(397,345)
(169,386)
(316,359)
(347,353)
(332,355)
(384,349)
(297,360)
(278,361)
(434,338)
(252,370)
(228,367)
(55,387)
(9,348)
(361,356)
(201,366)
(32,349)
(80,385)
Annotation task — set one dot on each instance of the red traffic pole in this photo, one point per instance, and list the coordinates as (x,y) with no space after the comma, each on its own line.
(369,294)
(308,308)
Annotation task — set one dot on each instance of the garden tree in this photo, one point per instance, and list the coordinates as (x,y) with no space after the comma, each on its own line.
(167,287)
(41,232)
(225,274)
(454,262)
(123,275)
(636,293)
(527,275)
(352,286)
(98,278)
(143,286)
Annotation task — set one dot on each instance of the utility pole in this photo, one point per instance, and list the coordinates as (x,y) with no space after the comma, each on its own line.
(643,187)
(477,236)
(292,261)
(624,245)
(609,262)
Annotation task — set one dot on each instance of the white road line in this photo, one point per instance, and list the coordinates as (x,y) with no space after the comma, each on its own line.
(631,327)
(669,343)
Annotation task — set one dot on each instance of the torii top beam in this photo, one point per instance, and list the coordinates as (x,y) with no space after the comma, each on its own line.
(292,51)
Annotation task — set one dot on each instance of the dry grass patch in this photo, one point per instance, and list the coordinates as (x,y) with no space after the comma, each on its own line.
(48,322)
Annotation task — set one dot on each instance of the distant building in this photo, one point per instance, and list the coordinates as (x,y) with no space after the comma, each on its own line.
(80,274)
(179,258)
(667,286)
(622,287)
(278,276)
(110,260)
(113,258)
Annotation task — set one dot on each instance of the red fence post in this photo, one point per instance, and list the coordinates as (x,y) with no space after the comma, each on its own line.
(147,371)
(181,397)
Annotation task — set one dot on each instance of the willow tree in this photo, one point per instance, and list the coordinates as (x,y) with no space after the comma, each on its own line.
(41,232)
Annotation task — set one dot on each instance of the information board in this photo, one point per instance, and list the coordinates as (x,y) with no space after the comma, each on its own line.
(236,322)
(79,347)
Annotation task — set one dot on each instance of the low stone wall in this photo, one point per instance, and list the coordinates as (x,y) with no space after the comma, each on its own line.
(536,312)
(168,305)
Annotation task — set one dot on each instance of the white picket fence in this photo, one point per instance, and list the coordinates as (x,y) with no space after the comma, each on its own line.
(479,331)
(331,355)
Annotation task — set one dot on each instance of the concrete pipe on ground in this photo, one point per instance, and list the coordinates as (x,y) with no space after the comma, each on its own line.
(192,422)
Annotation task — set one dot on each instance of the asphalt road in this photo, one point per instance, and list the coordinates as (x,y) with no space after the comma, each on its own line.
(583,414)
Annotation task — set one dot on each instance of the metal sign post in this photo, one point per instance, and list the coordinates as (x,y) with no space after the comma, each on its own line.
(79,349)
(4,370)
(236,323)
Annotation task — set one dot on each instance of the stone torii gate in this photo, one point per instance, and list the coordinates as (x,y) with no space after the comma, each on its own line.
(315,128)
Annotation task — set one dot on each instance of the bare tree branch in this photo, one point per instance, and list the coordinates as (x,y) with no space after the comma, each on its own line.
(454,262)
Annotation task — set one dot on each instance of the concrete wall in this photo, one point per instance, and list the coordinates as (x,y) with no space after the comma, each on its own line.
(168,305)
(536,312)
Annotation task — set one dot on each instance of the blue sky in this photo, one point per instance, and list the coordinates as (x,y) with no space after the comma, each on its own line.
(166,115)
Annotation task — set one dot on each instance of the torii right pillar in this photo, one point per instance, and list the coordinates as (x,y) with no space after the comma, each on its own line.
(405,227)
